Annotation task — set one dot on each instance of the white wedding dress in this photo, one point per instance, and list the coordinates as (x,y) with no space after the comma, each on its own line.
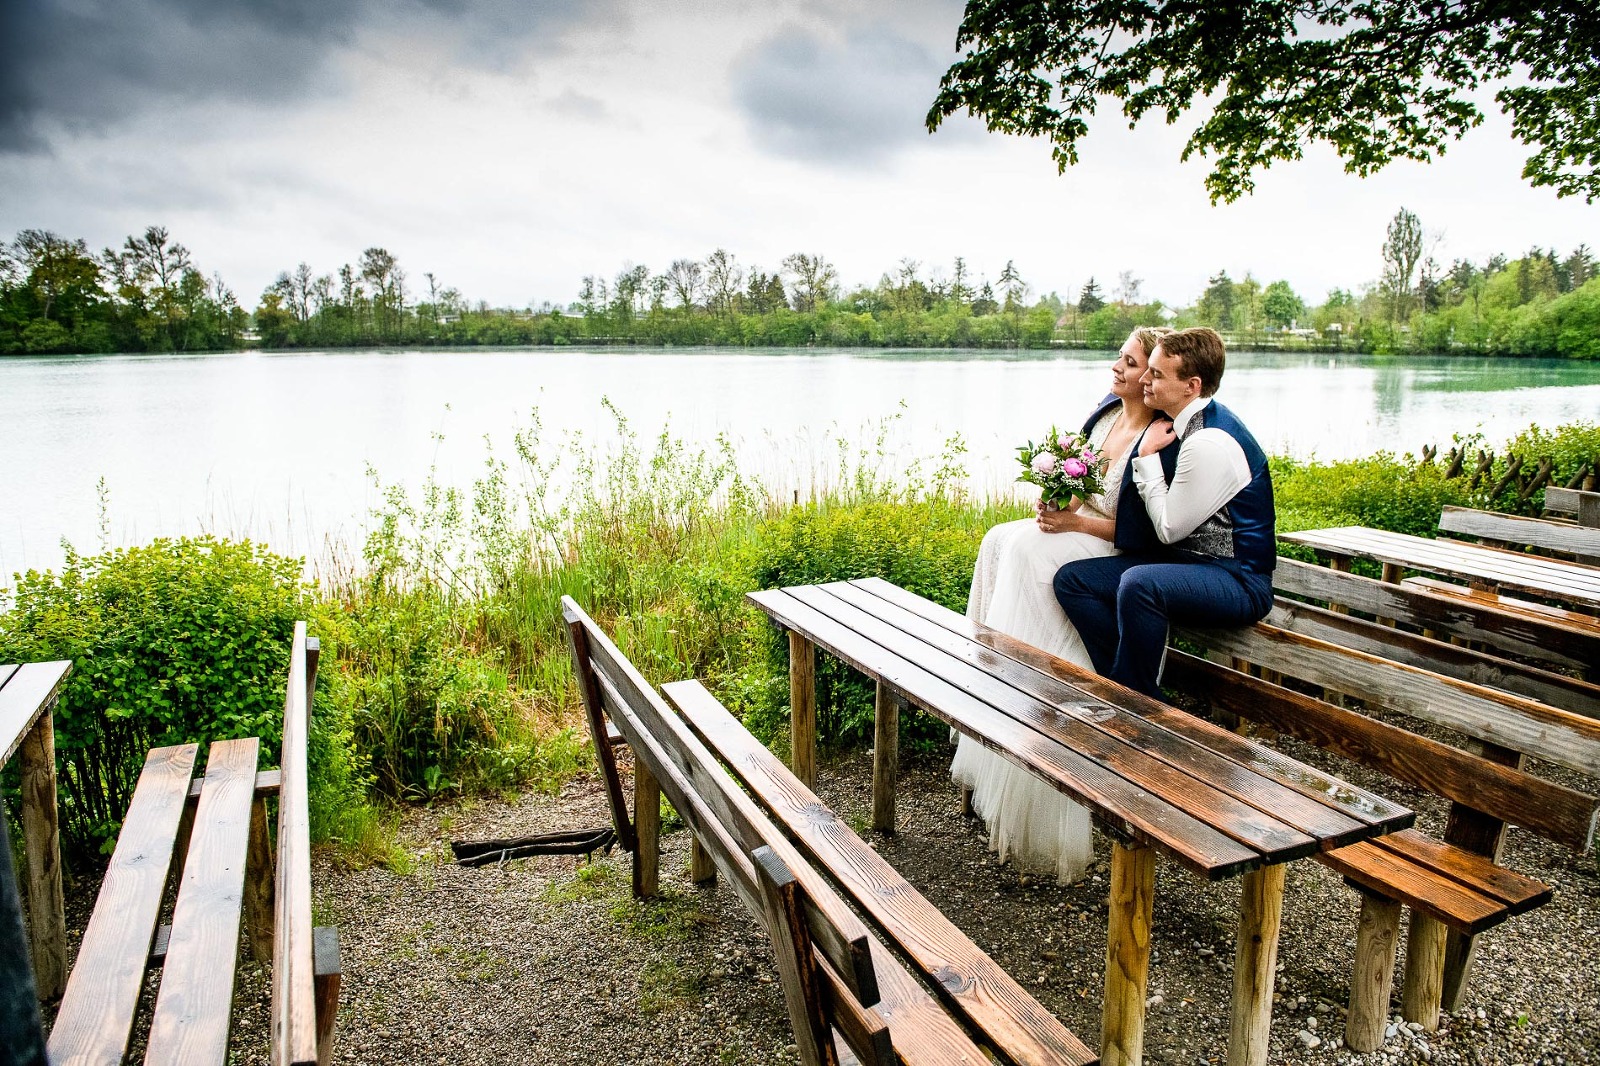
(1030,823)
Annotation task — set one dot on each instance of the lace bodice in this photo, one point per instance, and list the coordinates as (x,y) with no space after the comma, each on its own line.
(1105,504)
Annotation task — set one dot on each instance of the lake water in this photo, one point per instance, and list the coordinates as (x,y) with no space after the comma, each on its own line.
(277,445)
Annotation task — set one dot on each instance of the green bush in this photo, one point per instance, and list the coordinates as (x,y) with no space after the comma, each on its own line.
(173,642)
(927,546)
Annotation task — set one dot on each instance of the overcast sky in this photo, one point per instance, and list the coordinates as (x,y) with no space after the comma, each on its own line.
(513,146)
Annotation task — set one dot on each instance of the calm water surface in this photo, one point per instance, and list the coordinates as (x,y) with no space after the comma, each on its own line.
(277,446)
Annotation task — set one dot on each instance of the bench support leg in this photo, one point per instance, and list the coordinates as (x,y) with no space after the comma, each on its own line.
(966,803)
(41,837)
(1133,885)
(1458,951)
(647,824)
(803,709)
(1255,964)
(1422,991)
(325,980)
(701,869)
(885,758)
(1377,938)
(259,879)
(1392,573)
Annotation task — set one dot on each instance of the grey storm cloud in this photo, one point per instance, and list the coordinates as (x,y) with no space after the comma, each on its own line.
(90,63)
(853,100)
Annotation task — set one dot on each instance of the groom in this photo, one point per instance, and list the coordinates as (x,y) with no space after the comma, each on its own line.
(1198,542)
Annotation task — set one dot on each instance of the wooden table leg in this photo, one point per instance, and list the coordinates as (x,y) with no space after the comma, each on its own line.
(885,757)
(1255,964)
(803,708)
(41,838)
(701,869)
(1377,937)
(1340,563)
(1423,989)
(1392,573)
(647,823)
(1133,886)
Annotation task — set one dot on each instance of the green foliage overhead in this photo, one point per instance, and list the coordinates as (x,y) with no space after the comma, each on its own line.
(1377,80)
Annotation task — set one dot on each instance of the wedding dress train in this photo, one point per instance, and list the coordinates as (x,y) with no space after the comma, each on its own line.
(1030,823)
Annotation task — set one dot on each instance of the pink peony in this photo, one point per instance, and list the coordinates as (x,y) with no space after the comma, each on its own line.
(1074,467)
(1044,464)
(1064,442)
(1088,455)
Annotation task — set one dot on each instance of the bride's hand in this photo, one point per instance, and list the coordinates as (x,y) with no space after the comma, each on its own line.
(1160,434)
(1051,521)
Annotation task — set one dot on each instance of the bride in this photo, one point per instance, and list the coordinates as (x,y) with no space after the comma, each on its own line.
(1030,822)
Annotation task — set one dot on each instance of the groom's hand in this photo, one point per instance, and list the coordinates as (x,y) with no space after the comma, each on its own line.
(1158,436)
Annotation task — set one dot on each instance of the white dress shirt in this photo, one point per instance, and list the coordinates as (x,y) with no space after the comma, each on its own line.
(1211,470)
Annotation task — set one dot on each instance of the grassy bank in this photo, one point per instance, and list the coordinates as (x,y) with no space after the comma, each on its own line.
(444,668)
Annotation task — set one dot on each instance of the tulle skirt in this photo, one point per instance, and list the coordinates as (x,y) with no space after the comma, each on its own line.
(1030,823)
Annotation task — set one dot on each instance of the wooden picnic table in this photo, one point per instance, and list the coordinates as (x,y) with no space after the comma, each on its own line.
(1158,780)
(27,730)
(1554,579)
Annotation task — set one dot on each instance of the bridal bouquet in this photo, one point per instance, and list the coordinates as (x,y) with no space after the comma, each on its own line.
(1063,466)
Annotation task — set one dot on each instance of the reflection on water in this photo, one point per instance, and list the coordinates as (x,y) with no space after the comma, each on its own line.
(275,445)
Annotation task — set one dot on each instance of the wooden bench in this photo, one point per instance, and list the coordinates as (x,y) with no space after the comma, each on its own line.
(1382,637)
(1497,530)
(1456,887)
(1575,505)
(27,731)
(210,837)
(840,981)
(1551,636)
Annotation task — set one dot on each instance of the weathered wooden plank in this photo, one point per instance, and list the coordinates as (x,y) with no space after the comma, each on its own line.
(1549,733)
(962,974)
(1254,827)
(1479,873)
(792,950)
(267,784)
(97,1010)
(1514,529)
(328,975)
(1567,582)
(41,843)
(1562,814)
(1058,681)
(1451,660)
(1566,501)
(29,691)
(1121,806)
(294,1008)
(1458,615)
(647,824)
(194,1008)
(261,872)
(687,772)
(578,643)
(1395,876)
(1560,617)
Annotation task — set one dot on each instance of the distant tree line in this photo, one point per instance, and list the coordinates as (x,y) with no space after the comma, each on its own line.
(148,296)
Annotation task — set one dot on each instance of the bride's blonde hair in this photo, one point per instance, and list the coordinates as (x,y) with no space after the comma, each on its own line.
(1150,336)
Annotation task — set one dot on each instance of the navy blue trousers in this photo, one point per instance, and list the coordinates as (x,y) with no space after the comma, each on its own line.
(1122,605)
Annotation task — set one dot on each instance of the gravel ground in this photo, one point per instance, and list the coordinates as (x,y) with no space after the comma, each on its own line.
(549,961)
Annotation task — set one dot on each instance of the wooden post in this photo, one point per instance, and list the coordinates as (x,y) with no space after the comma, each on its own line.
(1423,989)
(326,978)
(41,841)
(701,869)
(1255,963)
(885,757)
(647,824)
(1340,563)
(259,879)
(794,954)
(1377,938)
(803,709)
(1133,886)
(966,803)
(1481,834)
(1392,573)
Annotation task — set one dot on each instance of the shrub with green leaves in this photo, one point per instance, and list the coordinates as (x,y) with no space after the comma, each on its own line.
(173,642)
